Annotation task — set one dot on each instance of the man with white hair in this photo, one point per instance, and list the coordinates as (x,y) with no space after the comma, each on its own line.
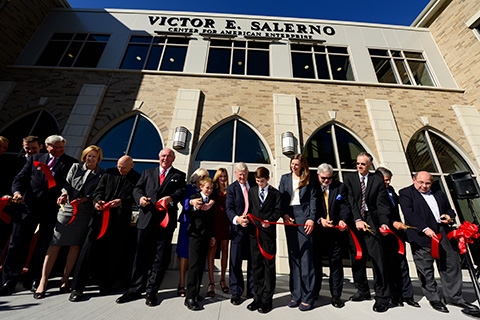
(38,185)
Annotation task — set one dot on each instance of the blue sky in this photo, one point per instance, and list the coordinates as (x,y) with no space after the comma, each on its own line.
(376,11)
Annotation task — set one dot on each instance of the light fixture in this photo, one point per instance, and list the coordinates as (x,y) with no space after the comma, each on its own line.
(339,69)
(288,143)
(138,58)
(172,60)
(180,139)
(306,67)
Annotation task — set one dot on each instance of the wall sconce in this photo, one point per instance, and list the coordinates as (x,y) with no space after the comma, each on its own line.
(180,139)
(288,143)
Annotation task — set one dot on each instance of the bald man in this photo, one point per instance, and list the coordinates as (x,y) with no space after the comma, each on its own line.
(115,186)
(430,212)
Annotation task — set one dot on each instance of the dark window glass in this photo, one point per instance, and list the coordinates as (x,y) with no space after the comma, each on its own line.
(238,65)
(383,70)
(319,48)
(240,44)
(449,159)
(249,148)
(418,154)
(174,58)
(258,63)
(71,54)
(142,166)
(414,55)
(218,61)
(348,148)
(400,64)
(300,47)
(396,53)
(135,57)
(115,142)
(52,53)
(259,45)
(337,50)
(159,40)
(302,65)
(146,143)
(140,39)
(90,55)
(98,37)
(62,36)
(218,145)
(221,43)
(378,52)
(80,36)
(420,73)
(154,58)
(320,148)
(175,40)
(322,66)
(341,68)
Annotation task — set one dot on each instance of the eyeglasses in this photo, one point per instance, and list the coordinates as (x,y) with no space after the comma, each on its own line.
(361,164)
(326,178)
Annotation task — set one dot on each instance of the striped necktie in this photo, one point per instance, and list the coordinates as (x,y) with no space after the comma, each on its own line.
(362,185)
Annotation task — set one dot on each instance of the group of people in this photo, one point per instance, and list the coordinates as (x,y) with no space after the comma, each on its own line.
(80,205)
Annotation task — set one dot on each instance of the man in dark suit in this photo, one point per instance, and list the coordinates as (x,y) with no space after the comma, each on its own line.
(31,186)
(264,203)
(371,213)
(430,213)
(236,205)
(333,209)
(115,186)
(164,183)
(400,283)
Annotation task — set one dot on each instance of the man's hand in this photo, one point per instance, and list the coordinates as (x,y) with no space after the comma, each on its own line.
(399,226)
(17,197)
(383,229)
(342,225)
(115,203)
(361,225)
(326,223)
(445,218)
(309,226)
(196,203)
(99,205)
(144,201)
(265,224)
(288,219)
(430,233)
(208,205)
(167,200)
(61,200)
(242,220)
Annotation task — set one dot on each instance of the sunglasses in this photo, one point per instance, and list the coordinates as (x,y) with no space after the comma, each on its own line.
(361,164)
(326,178)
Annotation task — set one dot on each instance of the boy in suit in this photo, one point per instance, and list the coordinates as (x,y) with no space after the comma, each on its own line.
(202,233)
(265,204)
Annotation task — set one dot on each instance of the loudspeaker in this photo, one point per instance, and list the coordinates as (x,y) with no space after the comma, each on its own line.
(463,185)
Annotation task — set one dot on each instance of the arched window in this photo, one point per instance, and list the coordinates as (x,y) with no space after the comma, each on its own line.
(336,146)
(232,142)
(428,151)
(135,136)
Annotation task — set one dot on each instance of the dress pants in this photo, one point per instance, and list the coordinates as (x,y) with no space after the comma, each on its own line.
(448,266)
(197,251)
(264,276)
(300,259)
(372,246)
(161,240)
(400,282)
(240,250)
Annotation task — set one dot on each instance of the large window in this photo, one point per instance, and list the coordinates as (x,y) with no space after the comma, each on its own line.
(137,137)
(401,67)
(81,50)
(239,57)
(155,53)
(321,62)
(333,145)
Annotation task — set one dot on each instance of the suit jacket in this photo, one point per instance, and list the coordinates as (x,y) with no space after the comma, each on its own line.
(235,205)
(376,198)
(149,186)
(202,222)
(418,214)
(79,184)
(308,198)
(33,185)
(271,210)
(338,207)
(113,186)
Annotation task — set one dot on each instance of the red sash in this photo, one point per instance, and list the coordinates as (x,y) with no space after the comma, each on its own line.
(106,216)
(435,243)
(162,206)
(74,204)
(401,247)
(46,171)
(3,216)
(264,253)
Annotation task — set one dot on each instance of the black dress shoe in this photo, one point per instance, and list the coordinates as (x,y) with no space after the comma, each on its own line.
(192,305)
(361,296)
(39,295)
(151,300)
(464,305)
(397,302)
(411,302)
(34,285)
(76,296)
(236,299)
(127,296)
(266,308)
(7,288)
(254,305)
(250,295)
(380,307)
(199,298)
(439,306)
(337,302)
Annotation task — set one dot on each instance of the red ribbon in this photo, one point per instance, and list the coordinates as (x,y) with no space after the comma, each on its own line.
(106,216)
(357,244)
(48,174)
(435,243)
(264,253)
(401,247)
(162,206)
(463,234)
(3,216)
(74,204)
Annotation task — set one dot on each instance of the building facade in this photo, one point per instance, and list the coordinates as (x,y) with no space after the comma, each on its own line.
(227,88)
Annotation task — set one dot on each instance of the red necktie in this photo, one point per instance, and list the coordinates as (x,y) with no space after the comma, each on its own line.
(162,176)
(245,196)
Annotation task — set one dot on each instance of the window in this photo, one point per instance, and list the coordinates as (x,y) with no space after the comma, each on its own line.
(321,62)
(401,67)
(239,57)
(137,137)
(335,146)
(155,53)
(81,50)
